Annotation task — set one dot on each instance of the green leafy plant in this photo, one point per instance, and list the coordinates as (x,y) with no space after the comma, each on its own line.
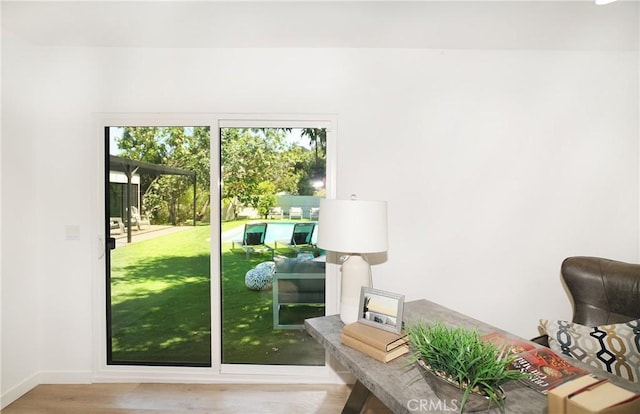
(459,356)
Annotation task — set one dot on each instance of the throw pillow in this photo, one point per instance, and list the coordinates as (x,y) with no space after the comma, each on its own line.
(259,278)
(304,256)
(270,266)
(614,348)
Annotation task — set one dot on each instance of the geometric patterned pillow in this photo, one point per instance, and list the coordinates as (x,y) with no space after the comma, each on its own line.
(614,348)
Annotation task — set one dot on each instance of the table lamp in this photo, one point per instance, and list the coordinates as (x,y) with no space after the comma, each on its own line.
(353,227)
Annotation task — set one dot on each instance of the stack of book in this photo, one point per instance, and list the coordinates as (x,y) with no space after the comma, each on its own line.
(377,343)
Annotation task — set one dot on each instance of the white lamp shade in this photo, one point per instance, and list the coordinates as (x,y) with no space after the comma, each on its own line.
(353,226)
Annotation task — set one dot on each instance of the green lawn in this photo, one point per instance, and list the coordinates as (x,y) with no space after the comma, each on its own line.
(160,296)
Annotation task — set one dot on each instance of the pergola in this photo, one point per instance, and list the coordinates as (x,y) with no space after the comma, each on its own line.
(132,167)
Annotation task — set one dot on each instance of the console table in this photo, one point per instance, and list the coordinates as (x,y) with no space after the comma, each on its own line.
(400,386)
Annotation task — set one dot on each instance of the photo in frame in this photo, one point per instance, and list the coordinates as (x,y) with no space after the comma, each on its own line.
(381,309)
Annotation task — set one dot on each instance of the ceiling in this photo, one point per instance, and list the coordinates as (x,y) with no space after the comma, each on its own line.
(562,25)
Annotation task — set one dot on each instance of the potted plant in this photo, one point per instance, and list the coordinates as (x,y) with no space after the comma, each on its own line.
(460,366)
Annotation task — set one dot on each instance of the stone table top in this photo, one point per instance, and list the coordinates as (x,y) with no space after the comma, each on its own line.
(399,384)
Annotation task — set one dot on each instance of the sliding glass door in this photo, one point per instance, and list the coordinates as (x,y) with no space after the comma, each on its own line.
(174,194)
(158,264)
(272,273)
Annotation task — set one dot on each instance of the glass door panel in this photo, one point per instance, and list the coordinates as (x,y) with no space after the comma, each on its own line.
(272,273)
(158,271)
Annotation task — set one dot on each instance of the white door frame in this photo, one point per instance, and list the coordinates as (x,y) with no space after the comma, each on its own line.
(218,372)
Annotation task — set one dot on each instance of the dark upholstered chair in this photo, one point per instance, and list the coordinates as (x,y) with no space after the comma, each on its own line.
(602,291)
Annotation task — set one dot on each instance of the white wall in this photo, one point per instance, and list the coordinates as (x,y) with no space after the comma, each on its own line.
(20,313)
(496,164)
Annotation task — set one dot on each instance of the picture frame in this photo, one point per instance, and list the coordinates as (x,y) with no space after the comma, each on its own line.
(381,309)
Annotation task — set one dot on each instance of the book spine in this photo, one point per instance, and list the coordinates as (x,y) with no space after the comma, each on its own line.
(364,347)
(362,337)
(398,342)
(371,340)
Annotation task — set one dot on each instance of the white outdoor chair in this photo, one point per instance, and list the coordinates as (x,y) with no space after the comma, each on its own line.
(295,212)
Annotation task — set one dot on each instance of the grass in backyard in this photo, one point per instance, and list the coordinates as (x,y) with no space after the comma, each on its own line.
(248,336)
(160,296)
(160,300)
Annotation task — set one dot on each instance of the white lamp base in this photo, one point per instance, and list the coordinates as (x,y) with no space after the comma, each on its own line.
(356,273)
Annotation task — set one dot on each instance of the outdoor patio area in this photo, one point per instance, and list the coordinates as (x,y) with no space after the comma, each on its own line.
(146,233)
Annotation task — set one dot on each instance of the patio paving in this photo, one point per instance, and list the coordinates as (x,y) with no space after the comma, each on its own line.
(146,233)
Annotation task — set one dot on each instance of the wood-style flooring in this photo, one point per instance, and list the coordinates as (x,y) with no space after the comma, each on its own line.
(186,398)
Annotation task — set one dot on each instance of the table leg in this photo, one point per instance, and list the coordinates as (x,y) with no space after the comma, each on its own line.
(357,399)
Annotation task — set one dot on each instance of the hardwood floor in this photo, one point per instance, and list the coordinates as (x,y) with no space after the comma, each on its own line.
(186,398)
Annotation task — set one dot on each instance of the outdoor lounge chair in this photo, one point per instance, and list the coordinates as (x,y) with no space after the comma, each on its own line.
(314,213)
(137,220)
(301,238)
(116,225)
(253,239)
(275,212)
(295,212)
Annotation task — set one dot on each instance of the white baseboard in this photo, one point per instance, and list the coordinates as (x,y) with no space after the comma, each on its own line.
(65,377)
(227,374)
(19,390)
(44,377)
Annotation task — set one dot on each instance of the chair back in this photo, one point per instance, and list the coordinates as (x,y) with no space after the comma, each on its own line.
(254,234)
(302,233)
(295,212)
(603,291)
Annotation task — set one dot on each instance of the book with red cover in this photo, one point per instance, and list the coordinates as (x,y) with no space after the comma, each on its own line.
(511,344)
(546,368)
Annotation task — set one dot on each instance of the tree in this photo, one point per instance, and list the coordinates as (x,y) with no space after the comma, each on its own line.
(250,157)
(266,198)
(191,151)
(178,147)
(312,170)
(257,164)
(317,138)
